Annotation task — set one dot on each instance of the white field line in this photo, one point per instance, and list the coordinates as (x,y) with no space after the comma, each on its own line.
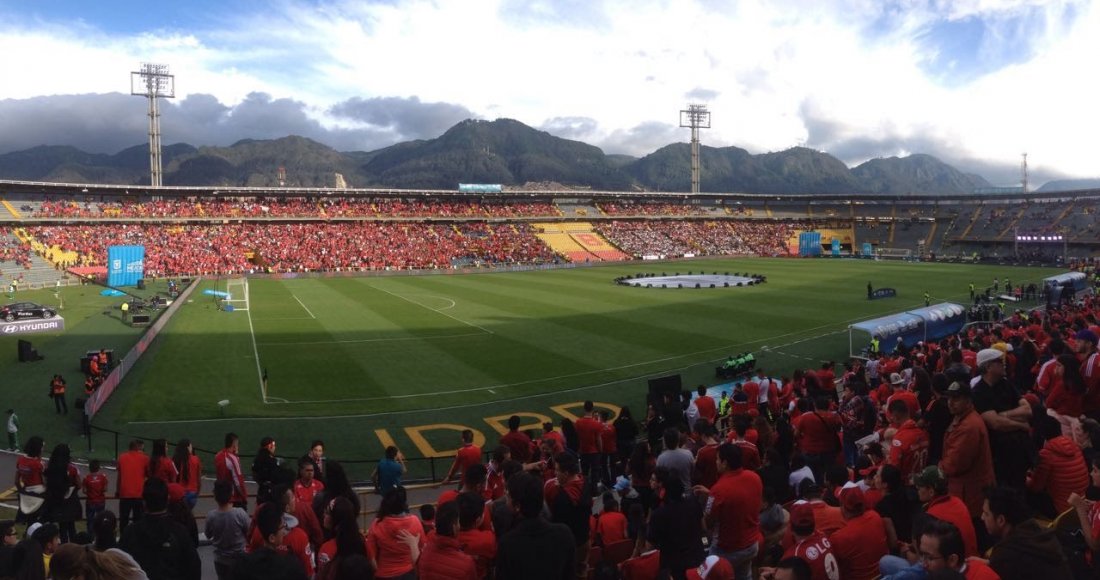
(440,311)
(361,340)
(255,350)
(304,307)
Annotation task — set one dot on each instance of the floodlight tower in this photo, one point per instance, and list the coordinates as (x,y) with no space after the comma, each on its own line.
(153,82)
(696,117)
(1023,172)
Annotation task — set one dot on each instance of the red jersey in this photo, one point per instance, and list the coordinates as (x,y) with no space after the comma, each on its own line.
(556,436)
(30,470)
(304,493)
(707,408)
(392,555)
(645,566)
(979,570)
(817,551)
(859,545)
(735,504)
(608,439)
(494,483)
(588,435)
(132,467)
(952,509)
(481,545)
(611,527)
(466,456)
(706,465)
(818,432)
(194,474)
(327,553)
(296,543)
(95,488)
(909,450)
(1048,376)
(227,467)
(519,444)
(750,454)
(165,470)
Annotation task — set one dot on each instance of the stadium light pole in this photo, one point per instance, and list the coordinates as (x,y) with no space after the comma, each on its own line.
(153,82)
(696,117)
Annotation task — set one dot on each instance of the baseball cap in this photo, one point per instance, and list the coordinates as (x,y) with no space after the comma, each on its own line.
(1087,336)
(713,568)
(987,355)
(851,497)
(802,514)
(932,476)
(896,379)
(959,389)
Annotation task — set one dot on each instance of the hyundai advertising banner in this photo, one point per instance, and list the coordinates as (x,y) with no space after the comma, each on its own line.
(125,265)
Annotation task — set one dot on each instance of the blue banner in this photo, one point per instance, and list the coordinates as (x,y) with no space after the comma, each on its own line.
(125,265)
(868,250)
(809,244)
(836,247)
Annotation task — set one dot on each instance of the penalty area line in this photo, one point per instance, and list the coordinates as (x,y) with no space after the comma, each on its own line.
(304,307)
(438,311)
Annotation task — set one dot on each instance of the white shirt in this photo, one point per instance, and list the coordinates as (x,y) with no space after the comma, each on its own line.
(13,423)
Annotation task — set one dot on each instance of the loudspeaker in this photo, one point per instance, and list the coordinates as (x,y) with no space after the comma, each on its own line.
(139,320)
(26,351)
(662,386)
(141,284)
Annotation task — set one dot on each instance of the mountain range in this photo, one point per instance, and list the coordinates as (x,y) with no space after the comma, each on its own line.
(503,151)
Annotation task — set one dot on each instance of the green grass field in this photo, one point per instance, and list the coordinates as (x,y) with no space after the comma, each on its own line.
(347,357)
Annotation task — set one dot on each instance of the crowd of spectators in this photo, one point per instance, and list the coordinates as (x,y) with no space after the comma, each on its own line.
(12,250)
(295,207)
(922,461)
(301,247)
(701,238)
(657,209)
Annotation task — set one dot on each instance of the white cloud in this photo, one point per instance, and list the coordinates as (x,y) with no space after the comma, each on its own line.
(849,76)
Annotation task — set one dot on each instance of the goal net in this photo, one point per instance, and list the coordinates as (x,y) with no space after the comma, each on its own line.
(237,290)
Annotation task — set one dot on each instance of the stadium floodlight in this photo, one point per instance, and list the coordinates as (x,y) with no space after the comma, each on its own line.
(696,117)
(153,82)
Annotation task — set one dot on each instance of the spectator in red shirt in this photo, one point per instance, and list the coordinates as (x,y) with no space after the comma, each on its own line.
(810,545)
(395,537)
(861,543)
(475,538)
(28,477)
(160,466)
(306,486)
(443,557)
(548,432)
(342,523)
(818,436)
(189,467)
(932,491)
(706,457)
(608,526)
(132,467)
(94,487)
(1060,472)
(517,441)
(227,467)
(590,444)
(909,447)
(569,504)
(734,509)
(705,404)
(466,456)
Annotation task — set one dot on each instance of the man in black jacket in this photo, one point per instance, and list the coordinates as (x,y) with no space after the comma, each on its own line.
(1025,549)
(159,544)
(535,549)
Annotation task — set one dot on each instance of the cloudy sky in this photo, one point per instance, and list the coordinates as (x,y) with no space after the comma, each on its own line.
(973,82)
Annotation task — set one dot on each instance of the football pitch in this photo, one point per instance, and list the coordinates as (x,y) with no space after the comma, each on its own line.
(364,362)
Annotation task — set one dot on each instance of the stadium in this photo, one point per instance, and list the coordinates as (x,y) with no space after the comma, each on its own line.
(372,317)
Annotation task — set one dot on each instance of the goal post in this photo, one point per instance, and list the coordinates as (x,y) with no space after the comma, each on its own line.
(237,293)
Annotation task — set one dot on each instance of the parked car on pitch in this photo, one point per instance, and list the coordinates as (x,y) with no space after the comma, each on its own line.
(25,311)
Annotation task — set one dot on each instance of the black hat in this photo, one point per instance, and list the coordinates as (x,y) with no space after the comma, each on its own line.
(959,389)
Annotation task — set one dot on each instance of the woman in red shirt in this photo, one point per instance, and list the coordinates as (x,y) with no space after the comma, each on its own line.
(160,466)
(395,537)
(189,467)
(29,480)
(340,520)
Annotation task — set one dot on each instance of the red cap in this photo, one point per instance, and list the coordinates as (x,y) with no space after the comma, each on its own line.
(802,514)
(713,568)
(851,498)
(175,492)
